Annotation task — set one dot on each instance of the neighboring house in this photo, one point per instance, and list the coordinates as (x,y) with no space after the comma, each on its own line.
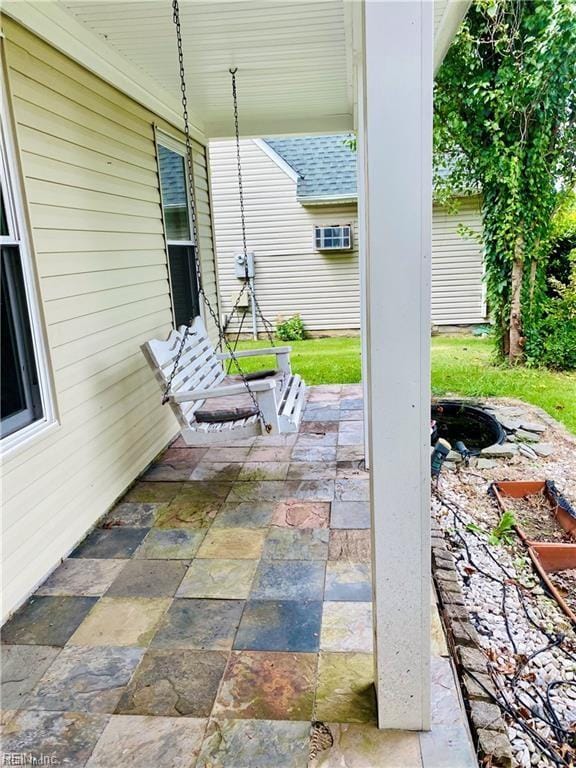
(294,185)
(86,258)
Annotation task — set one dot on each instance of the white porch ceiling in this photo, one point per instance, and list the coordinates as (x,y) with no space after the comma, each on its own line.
(294,59)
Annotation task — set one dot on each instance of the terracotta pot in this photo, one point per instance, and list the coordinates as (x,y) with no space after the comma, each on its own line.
(516,489)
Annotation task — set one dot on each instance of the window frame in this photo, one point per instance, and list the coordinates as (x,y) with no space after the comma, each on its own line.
(18,238)
(163,139)
(318,232)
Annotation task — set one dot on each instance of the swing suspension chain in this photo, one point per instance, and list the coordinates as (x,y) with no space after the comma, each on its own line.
(222,339)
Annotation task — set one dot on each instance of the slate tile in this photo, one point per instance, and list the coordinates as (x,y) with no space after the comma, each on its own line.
(263,490)
(255,743)
(305,470)
(270,453)
(296,544)
(317,439)
(276,625)
(132,515)
(350,514)
(310,454)
(81,576)
(310,490)
(199,624)
(219,579)
(348,581)
(345,692)
(217,471)
(121,621)
(254,471)
(174,683)
(268,686)
(150,742)
(289,580)
(236,544)
(321,414)
(167,473)
(346,626)
(46,620)
(178,457)
(68,738)
(21,667)
(349,545)
(293,513)
(245,514)
(85,679)
(360,745)
(154,493)
(318,426)
(352,490)
(170,544)
(113,543)
(148,578)
(447,746)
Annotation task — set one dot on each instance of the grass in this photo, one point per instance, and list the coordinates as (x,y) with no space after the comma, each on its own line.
(461,365)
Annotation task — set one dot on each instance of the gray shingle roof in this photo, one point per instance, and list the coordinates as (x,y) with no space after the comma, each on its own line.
(325,165)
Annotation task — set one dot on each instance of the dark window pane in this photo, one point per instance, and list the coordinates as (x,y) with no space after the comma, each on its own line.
(174,198)
(20,394)
(3,220)
(184,283)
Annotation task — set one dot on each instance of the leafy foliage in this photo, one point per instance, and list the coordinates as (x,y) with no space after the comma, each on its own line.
(555,343)
(502,533)
(505,123)
(291,329)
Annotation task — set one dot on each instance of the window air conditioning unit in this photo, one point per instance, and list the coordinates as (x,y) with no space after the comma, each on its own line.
(337,237)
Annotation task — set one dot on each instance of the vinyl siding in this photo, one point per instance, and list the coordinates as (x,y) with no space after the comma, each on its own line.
(291,277)
(324,288)
(88,161)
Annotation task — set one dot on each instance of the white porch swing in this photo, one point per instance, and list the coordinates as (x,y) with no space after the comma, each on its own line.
(212,406)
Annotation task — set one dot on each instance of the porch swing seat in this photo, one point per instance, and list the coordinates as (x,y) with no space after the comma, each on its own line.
(213,407)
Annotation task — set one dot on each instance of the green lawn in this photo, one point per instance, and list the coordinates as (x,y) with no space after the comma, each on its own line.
(461,365)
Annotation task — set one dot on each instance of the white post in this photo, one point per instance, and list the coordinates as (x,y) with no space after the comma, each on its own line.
(395,142)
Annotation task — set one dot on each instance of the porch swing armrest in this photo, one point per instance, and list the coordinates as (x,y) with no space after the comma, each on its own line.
(255,352)
(226,391)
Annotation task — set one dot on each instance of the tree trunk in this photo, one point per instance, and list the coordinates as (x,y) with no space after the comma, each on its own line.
(516,340)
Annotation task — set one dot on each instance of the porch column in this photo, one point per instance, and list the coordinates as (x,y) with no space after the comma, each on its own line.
(395,145)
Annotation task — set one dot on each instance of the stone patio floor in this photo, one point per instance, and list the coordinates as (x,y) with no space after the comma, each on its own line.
(220,608)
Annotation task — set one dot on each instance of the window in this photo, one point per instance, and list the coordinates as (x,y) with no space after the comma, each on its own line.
(179,239)
(337,237)
(24,398)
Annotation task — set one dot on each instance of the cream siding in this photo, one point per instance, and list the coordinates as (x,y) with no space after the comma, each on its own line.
(291,277)
(324,288)
(88,160)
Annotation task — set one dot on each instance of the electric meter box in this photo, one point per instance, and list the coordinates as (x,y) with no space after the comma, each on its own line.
(239,268)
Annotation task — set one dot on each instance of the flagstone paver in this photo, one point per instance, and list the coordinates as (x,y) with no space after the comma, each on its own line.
(170,544)
(199,624)
(288,580)
(132,514)
(345,692)
(141,741)
(85,679)
(21,667)
(242,544)
(268,686)
(255,743)
(111,543)
(296,544)
(348,581)
(223,579)
(280,625)
(148,578)
(66,738)
(121,621)
(46,620)
(217,609)
(82,577)
(174,683)
(346,626)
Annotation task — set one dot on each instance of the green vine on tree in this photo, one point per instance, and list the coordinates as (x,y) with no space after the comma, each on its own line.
(505,125)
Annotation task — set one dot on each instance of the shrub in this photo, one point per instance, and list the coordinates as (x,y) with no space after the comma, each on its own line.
(555,341)
(291,329)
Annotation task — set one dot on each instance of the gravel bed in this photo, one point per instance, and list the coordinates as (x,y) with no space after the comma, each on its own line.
(529,642)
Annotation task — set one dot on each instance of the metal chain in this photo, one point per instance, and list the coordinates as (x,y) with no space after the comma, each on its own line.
(265,322)
(192,188)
